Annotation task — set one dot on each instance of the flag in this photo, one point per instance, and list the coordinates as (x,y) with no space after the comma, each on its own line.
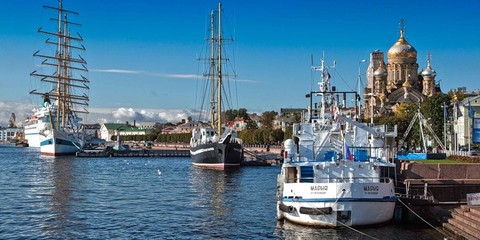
(327,79)
(348,154)
(471,113)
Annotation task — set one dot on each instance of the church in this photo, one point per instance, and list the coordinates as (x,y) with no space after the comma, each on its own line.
(398,81)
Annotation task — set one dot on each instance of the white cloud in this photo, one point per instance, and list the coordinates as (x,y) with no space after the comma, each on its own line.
(122,71)
(101,115)
(123,114)
(161,75)
(20,109)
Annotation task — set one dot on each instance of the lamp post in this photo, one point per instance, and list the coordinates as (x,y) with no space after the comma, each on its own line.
(359,83)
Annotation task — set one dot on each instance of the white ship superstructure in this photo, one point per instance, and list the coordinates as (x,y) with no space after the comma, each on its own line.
(336,170)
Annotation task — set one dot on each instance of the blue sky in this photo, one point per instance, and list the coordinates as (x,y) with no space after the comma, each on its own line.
(141,54)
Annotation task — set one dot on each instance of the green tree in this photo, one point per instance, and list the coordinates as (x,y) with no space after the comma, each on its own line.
(242,112)
(432,110)
(230,114)
(402,116)
(276,135)
(288,133)
(250,123)
(267,119)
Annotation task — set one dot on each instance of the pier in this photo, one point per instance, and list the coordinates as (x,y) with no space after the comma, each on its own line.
(135,153)
(438,193)
(253,156)
(257,157)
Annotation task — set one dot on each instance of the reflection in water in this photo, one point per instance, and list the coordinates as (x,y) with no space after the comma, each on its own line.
(127,198)
(290,231)
(59,172)
(211,186)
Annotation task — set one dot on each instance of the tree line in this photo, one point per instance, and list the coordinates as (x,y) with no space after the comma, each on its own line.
(265,133)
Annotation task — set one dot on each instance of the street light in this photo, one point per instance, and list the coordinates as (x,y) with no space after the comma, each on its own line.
(359,83)
(359,75)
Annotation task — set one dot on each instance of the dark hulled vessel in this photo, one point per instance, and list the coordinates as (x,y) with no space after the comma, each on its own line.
(207,148)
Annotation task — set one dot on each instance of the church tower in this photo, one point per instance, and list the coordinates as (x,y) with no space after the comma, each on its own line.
(396,82)
(428,79)
(402,62)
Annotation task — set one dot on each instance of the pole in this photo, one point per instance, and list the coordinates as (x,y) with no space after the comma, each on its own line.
(468,136)
(444,125)
(359,83)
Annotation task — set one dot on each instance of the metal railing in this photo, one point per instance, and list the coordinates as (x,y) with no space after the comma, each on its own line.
(339,180)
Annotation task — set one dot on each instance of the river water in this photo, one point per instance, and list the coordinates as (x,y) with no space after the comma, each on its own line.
(150,198)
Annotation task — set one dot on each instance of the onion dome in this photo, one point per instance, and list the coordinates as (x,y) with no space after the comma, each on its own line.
(380,72)
(402,49)
(429,72)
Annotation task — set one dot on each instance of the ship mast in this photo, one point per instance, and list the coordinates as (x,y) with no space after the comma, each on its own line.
(64,83)
(219,72)
(212,66)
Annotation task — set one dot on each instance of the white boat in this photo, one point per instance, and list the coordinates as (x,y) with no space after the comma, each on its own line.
(216,146)
(35,125)
(55,126)
(336,171)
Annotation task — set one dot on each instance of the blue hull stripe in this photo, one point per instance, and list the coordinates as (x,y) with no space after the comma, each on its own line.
(387,199)
(58,142)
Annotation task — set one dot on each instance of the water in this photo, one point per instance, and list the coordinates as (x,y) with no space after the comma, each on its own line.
(149,198)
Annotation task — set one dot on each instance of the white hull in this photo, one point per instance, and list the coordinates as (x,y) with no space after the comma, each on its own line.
(33,138)
(59,143)
(338,204)
(343,214)
(35,125)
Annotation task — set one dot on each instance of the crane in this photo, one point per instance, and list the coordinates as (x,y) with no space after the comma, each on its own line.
(11,121)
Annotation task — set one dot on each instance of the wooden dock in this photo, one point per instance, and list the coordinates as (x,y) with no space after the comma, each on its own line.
(134,153)
(251,158)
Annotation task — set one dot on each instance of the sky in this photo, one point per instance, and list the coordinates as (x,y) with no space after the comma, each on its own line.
(143,55)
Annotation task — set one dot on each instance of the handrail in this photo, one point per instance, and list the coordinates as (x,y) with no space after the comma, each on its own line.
(340,180)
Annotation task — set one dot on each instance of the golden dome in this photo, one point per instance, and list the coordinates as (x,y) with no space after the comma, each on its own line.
(402,48)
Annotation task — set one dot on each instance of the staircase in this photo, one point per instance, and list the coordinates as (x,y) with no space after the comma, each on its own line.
(465,222)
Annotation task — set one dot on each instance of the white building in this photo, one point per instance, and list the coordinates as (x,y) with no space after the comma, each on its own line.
(462,123)
(8,134)
(108,130)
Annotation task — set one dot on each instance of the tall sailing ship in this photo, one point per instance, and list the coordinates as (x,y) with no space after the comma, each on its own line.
(216,146)
(60,132)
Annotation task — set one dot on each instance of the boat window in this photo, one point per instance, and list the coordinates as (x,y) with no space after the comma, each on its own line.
(291,173)
(306,174)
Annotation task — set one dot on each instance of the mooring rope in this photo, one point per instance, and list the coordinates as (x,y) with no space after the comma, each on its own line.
(425,221)
(343,224)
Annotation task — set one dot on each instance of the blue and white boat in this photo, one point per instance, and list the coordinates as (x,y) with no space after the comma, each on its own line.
(56,128)
(336,170)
